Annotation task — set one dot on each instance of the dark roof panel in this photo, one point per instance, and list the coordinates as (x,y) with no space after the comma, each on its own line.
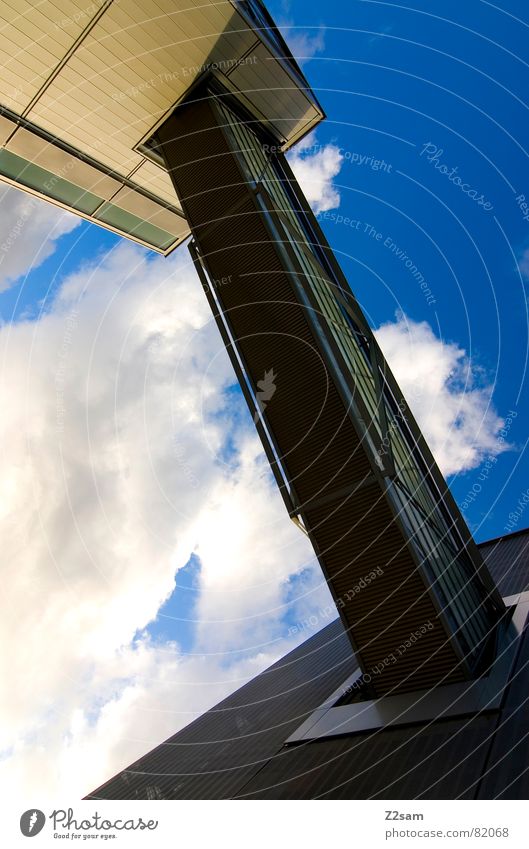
(508,562)
(217,753)
(436,762)
(237,749)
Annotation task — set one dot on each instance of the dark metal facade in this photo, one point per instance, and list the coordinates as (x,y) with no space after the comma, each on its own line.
(510,558)
(351,464)
(216,755)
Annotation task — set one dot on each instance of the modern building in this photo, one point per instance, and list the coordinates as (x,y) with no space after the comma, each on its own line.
(83,86)
(289,735)
(165,119)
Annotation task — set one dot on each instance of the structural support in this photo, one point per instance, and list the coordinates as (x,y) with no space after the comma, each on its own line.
(353,468)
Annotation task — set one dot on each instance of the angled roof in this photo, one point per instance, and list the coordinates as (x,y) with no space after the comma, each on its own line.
(237,749)
(84,85)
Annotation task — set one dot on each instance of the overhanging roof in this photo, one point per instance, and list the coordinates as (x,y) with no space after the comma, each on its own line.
(237,749)
(84,85)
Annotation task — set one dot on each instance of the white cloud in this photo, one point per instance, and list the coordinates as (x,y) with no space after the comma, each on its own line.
(447,395)
(315,166)
(28,233)
(114,469)
(112,472)
(303,44)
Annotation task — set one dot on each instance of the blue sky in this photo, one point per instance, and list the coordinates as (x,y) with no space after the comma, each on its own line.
(393,78)
(138,502)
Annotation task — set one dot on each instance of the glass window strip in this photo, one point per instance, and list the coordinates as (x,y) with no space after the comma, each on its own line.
(443,589)
(445,568)
(416,495)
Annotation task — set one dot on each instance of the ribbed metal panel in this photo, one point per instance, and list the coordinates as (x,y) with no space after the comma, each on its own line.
(436,762)
(360,533)
(508,561)
(237,749)
(317,439)
(217,753)
(507,775)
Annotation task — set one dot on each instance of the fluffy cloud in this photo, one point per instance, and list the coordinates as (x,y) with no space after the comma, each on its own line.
(117,462)
(315,166)
(448,397)
(29,233)
(303,45)
(115,468)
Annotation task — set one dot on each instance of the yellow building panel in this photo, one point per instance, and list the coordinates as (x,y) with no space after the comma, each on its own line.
(112,89)
(126,78)
(129,63)
(149,211)
(34,38)
(157,181)
(142,89)
(6,128)
(168,41)
(40,152)
(106,143)
(85,100)
(15,92)
(154,38)
(200,18)
(56,25)
(92,140)
(273,92)
(211,18)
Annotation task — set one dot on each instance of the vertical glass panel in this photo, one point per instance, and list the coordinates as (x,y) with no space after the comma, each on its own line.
(46,183)
(413,491)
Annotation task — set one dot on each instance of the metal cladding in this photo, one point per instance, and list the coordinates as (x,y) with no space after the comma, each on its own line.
(83,85)
(510,555)
(236,750)
(337,431)
(217,754)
